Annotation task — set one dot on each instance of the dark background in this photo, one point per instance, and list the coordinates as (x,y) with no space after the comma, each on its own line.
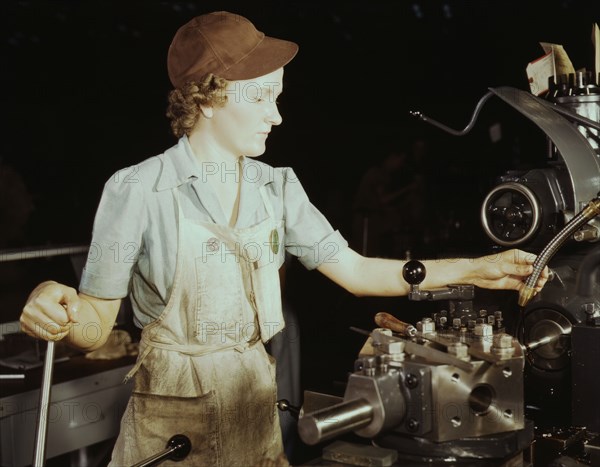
(84,94)
(85,87)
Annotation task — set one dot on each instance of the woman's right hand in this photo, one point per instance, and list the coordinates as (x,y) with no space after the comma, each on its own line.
(50,311)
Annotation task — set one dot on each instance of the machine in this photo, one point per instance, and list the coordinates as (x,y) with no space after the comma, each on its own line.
(458,387)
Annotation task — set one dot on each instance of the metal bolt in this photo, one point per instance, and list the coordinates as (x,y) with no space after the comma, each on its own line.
(412,424)
(483,330)
(412,381)
(503,340)
(426,325)
(589,309)
(459,350)
(368,366)
(396,347)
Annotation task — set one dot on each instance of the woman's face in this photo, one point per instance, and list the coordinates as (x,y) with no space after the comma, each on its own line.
(243,124)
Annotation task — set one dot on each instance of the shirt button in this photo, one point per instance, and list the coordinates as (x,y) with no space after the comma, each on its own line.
(212,244)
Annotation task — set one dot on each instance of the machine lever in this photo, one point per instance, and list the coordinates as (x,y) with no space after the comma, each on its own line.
(39,457)
(285,406)
(388,321)
(452,131)
(178,447)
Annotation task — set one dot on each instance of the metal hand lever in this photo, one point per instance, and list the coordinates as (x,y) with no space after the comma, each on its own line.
(42,421)
(285,406)
(178,447)
(388,321)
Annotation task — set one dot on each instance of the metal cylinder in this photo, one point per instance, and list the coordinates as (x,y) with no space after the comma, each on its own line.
(334,421)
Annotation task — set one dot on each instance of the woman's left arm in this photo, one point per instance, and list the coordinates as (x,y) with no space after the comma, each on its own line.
(363,276)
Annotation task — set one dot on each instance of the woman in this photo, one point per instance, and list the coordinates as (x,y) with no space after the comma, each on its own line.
(196,236)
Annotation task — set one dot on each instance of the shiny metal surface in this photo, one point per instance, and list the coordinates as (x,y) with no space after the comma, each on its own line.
(580,158)
(418,393)
(334,421)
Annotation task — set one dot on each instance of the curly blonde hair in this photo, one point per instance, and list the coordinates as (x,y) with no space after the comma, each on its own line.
(184,103)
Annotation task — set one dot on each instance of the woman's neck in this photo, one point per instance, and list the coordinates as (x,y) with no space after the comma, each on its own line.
(221,170)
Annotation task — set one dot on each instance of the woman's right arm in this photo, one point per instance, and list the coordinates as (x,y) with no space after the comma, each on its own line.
(55,311)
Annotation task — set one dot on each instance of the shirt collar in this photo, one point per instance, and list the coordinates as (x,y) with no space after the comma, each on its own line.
(181,166)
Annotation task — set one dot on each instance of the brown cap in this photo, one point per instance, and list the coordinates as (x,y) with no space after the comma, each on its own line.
(227,45)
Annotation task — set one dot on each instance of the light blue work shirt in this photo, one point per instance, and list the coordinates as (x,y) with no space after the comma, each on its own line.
(134,241)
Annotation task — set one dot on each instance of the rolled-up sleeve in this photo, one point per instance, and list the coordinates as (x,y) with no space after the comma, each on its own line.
(117,238)
(308,233)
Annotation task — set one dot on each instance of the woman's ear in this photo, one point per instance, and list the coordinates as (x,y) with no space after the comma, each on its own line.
(206,111)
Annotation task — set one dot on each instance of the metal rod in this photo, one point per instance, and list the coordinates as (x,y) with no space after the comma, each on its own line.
(156,458)
(13,376)
(452,131)
(178,447)
(42,421)
(19,255)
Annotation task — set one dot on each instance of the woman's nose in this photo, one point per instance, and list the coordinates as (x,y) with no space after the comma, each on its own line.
(274,116)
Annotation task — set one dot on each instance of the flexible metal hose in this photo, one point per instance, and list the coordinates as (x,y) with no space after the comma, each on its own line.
(591,210)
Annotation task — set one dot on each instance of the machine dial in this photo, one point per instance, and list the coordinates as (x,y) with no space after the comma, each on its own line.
(511,214)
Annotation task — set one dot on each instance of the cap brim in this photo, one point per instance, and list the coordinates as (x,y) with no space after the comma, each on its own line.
(270,55)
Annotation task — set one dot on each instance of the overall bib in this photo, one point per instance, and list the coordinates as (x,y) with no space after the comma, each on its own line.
(203,370)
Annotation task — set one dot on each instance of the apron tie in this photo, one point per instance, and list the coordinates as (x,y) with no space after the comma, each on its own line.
(190,350)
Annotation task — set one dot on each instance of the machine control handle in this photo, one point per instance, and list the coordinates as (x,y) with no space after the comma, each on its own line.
(285,406)
(385,320)
(335,421)
(178,447)
(414,272)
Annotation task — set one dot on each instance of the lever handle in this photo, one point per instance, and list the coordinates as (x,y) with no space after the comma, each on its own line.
(414,272)
(385,320)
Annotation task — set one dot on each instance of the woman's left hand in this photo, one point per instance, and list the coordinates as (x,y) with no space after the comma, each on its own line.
(507,270)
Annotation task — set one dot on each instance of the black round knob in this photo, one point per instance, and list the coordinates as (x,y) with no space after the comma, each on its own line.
(180,446)
(414,272)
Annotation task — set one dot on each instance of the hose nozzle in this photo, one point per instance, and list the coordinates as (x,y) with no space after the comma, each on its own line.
(525,295)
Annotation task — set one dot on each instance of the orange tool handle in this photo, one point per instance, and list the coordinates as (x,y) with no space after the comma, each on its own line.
(385,320)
